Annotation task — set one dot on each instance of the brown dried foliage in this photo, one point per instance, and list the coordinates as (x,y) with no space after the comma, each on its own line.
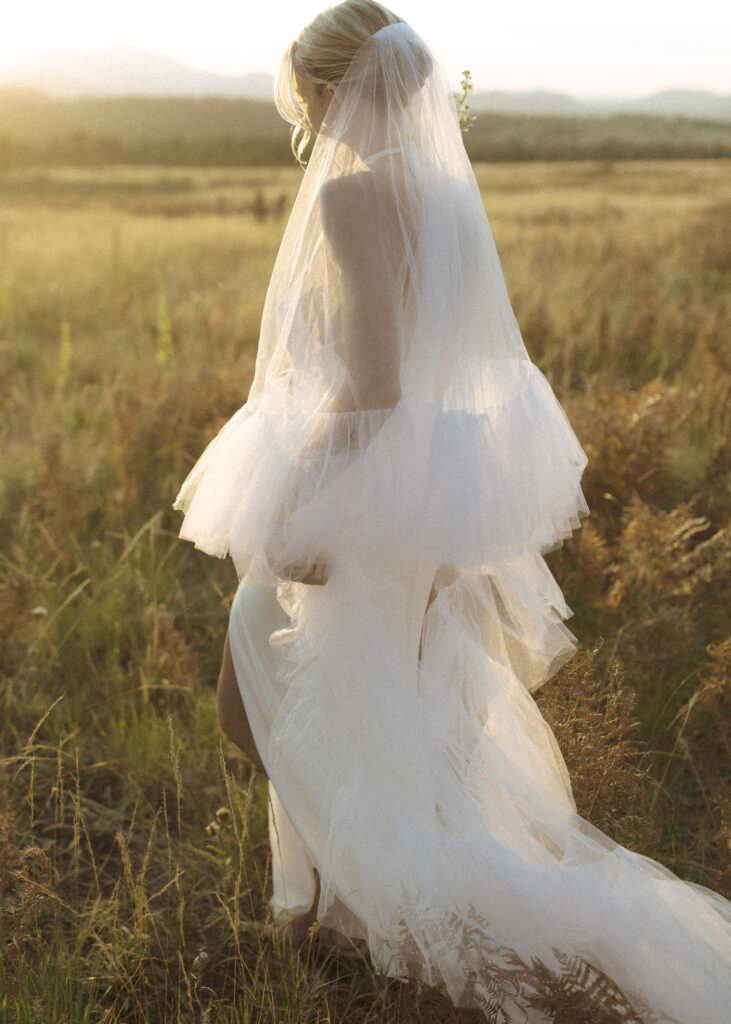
(659,579)
(592,713)
(625,435)
(705,720)
(25,893)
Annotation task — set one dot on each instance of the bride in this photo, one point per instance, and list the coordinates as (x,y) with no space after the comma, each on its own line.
(387,494)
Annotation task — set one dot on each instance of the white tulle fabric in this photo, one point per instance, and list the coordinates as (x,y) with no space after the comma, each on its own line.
(397,434)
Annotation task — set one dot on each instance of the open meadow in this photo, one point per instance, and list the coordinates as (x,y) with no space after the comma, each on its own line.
(134,873)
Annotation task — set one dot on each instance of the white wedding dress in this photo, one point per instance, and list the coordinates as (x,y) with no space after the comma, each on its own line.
(398,434)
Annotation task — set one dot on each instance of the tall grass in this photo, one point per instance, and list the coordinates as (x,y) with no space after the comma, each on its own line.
(134,862)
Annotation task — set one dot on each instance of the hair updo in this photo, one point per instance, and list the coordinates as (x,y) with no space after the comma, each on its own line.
(322,52)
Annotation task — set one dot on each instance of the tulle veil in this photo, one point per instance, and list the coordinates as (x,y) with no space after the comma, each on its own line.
(394,409)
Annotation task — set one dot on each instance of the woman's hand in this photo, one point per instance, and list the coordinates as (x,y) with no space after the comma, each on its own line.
(313,575)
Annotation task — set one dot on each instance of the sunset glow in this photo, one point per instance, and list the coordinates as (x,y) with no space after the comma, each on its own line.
(630,48)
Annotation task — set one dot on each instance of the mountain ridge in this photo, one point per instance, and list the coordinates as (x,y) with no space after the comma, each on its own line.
(123,70)
(127,71)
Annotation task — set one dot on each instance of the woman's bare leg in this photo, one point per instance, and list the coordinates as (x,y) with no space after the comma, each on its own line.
(235,723)
(255,615)
(231,712)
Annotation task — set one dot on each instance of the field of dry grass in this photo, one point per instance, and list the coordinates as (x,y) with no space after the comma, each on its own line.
(133,848)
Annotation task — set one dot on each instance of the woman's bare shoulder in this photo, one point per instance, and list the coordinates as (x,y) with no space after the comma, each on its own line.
(347,195)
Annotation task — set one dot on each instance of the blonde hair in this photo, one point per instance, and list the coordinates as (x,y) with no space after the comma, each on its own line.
(322,52)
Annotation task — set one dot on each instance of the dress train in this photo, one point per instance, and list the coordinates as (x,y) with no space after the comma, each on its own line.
(417,774)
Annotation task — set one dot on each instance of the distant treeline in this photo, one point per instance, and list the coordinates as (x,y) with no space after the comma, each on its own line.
(38,130)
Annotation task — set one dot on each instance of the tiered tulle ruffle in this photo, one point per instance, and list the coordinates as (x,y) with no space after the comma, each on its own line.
(463,488)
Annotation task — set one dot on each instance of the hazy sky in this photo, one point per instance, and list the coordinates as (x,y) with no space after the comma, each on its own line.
(627,47)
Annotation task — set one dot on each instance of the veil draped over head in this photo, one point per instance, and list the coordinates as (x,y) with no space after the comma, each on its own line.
(394,410)
(397,433)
